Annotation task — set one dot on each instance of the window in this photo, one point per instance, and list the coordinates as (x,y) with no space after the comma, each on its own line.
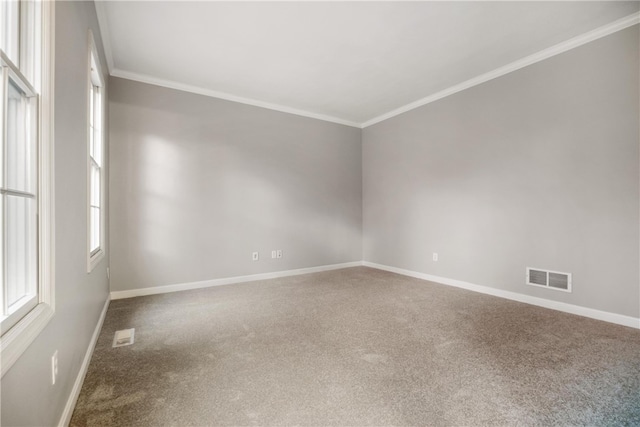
(19,197)
(26,244)
(95,162)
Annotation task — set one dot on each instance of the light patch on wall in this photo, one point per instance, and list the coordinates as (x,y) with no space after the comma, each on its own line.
(161,185)
(161,167)
(265,196)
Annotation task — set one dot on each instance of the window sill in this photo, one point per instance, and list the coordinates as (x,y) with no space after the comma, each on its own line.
(18,338)
(95,260)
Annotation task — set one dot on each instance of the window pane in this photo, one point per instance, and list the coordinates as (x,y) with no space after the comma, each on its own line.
(9,33)
(96,140)
(95,229)
(97,105)
(97,146)
(94,242)
(20,149)
(95,185)
(29,20)
(3,278)
(91,110)
(20,249)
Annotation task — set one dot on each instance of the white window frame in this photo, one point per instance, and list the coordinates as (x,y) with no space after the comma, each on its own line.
(10,73)
(96,255)
(16,340)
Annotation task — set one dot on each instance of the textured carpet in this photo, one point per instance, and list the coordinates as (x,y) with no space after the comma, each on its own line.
(357,347)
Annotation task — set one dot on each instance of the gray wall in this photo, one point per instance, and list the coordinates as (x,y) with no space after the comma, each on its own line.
(28,398)
(198,184)
(537,168)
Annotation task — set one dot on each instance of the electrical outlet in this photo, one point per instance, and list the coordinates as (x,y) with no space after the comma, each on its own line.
(274,254)
(255,256)
(54,367)
(279,253)
(435,256)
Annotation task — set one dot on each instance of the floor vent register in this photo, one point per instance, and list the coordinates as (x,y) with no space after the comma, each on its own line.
(123,337)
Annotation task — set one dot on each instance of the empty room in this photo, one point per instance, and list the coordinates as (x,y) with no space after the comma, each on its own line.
(319,213)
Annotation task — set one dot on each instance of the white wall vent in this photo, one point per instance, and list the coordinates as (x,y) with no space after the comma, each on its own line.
(123,337)
(549,279)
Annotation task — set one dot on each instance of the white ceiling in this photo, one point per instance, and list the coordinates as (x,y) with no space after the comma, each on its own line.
(349,62)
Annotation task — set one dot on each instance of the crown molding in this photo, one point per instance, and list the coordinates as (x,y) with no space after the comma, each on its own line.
(143,78)
(105,35)
(572,43)
(557,49)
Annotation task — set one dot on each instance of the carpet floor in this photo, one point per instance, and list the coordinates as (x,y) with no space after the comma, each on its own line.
(355,347)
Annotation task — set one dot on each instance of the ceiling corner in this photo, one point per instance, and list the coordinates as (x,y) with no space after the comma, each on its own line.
(101,13)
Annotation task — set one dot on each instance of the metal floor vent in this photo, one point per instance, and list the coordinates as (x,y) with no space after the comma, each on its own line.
(549,279)
(124,337)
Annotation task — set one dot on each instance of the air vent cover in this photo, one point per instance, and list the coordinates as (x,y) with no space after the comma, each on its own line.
(123,337)
(549,279)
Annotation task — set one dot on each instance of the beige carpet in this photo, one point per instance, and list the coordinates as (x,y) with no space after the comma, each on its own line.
(357,347)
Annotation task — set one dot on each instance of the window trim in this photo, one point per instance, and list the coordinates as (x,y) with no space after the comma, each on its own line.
(94,257)
(17,339)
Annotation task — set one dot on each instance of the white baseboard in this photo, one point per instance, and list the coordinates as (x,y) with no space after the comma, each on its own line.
(227,281)
(77,386)
(541,302)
